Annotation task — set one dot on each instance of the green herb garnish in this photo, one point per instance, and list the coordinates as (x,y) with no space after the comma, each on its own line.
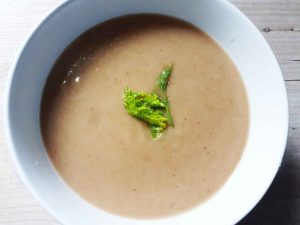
(163,79)
(156,131)
(162,83)
(147,107)
(153,108)
(168,111)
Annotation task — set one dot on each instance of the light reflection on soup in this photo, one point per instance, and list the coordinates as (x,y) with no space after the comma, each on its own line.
(107,156)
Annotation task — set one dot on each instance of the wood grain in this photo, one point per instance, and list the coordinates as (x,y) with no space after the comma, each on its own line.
(17,205)
(278,20)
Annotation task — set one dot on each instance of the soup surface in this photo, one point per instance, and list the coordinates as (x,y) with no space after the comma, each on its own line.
(109,157)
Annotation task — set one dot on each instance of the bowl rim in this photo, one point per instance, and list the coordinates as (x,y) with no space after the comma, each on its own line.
(9,134)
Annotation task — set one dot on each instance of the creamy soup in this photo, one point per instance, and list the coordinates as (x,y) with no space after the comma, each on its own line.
(107,156)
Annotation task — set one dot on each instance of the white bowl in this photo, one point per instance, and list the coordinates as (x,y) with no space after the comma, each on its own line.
(223,22)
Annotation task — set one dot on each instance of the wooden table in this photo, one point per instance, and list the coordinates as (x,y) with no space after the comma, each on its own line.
(279,22)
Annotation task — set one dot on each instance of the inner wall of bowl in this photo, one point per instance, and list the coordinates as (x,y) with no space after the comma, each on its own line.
(243,43)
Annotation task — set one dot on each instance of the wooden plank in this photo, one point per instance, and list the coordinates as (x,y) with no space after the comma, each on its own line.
(17,205)
(279,21)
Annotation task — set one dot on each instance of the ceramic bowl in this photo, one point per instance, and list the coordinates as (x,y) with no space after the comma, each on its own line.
(221,21)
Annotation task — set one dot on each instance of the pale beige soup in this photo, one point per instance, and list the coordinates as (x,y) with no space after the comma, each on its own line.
(109,157)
